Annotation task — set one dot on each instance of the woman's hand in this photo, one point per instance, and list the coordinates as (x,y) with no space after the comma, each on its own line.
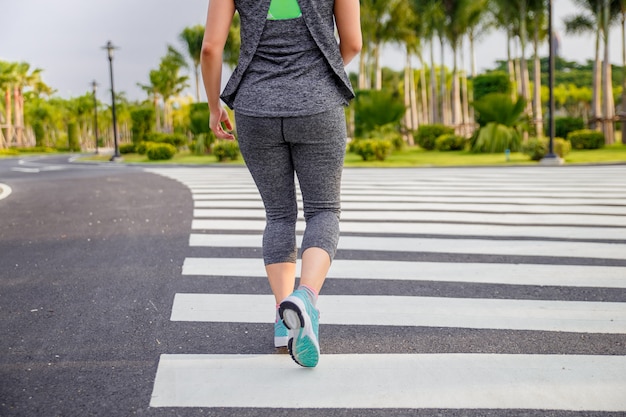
(215,123)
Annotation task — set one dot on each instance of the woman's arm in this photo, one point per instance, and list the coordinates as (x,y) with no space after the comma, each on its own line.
(219,19)
(348,21)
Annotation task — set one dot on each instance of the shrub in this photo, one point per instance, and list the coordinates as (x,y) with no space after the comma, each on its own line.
(373,109)
(390,133)
(426,135)
(493,82)
(371,149)
(495,138)
(586,139)
(127,148)
(202,143)
(142,147)
(536,149)
(450,142)
(9,152)
(160,151)
(226,150)
(73,139)
(143,120)
(34,149)
(40,133)
(177,140)
(199,118)
(564,125)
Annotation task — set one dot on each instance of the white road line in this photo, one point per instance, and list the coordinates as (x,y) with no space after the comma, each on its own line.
(538,315)
(449,201)
(432,245)
(434,229)
(446,381)
(509,274)
(26,170)
(498,218)
(5,191)
(386,206)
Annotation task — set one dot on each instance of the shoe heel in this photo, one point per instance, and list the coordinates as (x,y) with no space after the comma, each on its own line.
(291,315)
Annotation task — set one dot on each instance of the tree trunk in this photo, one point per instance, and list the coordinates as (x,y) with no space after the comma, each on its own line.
(424,96)
(445,100)
(457,121)
(9,116)
(362,70)
(378,71)
(511,65)
(596,104)
(608,106)
(197,84)
(537,105)
(414,103)
(408,120)
(623,104)
(434,102)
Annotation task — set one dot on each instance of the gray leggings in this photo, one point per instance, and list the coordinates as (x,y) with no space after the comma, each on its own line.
(312,147)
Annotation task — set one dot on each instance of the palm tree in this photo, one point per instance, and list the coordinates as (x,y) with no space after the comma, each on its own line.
(430,12)
(504,12)
(608,105)
(461,14)
(192,39)
(537,22)
(378,29)
(591,20)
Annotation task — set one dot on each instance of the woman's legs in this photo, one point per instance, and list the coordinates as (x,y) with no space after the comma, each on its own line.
(318,150)
(268,158)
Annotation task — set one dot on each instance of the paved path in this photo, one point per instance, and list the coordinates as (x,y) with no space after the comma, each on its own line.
(482,290)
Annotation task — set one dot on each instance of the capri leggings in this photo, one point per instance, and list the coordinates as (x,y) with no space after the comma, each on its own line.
(312,147)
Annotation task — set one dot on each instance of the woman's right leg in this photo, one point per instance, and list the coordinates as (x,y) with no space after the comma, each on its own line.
(268,159)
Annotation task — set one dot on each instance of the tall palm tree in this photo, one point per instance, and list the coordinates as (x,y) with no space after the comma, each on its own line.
(537,22)
(167,82)
(504,15)
(192,39)
(591,19)
(461,15)
(378,29)
(431,13)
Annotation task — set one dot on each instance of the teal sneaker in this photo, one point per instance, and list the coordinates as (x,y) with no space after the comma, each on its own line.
(302,320)
(281,334)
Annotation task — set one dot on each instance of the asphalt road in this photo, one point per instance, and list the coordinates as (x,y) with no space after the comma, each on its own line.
(91,259)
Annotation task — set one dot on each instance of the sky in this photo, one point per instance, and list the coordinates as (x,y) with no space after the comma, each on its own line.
(65,39)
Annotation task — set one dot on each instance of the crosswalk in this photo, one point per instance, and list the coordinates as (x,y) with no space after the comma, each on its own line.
(453,288)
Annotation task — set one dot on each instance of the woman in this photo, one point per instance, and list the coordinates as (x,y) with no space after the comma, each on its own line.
(288,92)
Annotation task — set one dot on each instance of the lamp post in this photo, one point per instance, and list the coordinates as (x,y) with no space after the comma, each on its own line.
(551,158)
(94,85)
(110,48)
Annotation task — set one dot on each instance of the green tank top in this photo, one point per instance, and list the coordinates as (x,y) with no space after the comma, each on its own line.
(283,10)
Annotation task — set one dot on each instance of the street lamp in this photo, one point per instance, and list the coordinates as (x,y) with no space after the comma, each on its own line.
(551,158)
(110,48)
(94,85)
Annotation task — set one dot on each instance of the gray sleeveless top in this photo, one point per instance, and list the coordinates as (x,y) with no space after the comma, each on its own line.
(288,75)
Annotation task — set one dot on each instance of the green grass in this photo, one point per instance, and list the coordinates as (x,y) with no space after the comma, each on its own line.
(180,158)
(411,157)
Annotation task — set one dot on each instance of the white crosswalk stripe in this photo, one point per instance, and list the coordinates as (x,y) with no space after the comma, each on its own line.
(549,243)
